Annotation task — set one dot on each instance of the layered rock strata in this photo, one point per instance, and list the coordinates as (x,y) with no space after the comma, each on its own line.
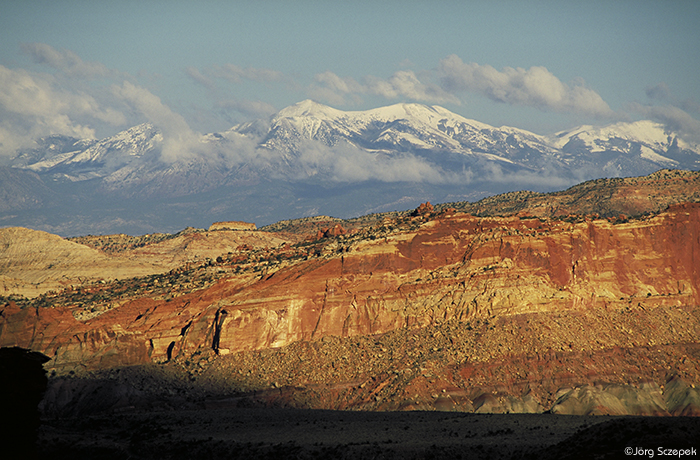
(518,304)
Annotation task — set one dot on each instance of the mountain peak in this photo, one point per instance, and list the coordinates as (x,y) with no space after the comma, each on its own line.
(311,108)
(420,113)
(406,110)
(308,108)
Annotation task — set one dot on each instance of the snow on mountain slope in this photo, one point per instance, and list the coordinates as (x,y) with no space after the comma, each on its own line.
(134,142)
(309,108)
(648,154)
(53,161)
(311,139)
(640,143)
(398,127)
(599,139)
(99,159)
(310,158)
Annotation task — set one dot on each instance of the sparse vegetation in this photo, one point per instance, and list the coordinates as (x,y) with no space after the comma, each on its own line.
(113,244)
(412,364)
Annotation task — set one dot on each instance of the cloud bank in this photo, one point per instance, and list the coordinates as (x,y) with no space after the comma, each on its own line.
(402,84)
(179,141)
(65,61)
(535,87)
(68,102)
(674,119)
(80,98)
(34,105)
(237,74)
(347,163)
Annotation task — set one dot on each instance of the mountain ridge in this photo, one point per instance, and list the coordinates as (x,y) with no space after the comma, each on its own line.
(142,138)
(313,159)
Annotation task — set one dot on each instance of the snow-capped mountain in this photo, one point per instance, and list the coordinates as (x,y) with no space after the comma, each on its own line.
(89,159)
(430,135)
(399,127)
(643,139)
(310,158)
(447,139)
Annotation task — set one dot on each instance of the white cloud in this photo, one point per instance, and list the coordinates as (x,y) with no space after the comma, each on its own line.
(151,106)
(674,119)
(406,84)
(66,61)
(347,163)
(333,89)
(380,87)
(179,141)
(200,78)
(337,84)
(548,178)
(403,84)
(33,105)
(535,87)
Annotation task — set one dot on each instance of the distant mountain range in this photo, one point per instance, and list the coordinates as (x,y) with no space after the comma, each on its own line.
(311,159)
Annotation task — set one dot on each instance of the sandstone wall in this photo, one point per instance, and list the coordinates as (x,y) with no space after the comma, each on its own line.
(453,267)
(465,267)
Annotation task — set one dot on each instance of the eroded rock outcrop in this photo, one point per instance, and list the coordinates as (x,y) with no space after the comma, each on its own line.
(533,306)
(466,267)
(232,225)
(458,267)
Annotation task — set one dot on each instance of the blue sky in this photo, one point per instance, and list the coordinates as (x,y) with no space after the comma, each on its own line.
(93,68)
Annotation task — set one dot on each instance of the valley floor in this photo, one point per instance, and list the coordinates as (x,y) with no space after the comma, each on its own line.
(255,433)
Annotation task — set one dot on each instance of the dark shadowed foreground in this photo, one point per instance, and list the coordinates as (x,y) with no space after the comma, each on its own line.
(22,384)
(307,434)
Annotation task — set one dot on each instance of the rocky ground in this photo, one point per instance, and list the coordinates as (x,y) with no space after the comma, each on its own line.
(610,198)
(306,434)
(405,335)
(585,364)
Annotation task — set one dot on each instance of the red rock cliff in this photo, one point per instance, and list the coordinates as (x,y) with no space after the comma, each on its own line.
(455,266)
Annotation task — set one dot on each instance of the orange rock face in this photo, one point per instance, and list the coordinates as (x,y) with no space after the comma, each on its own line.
(464,267)
(422,272)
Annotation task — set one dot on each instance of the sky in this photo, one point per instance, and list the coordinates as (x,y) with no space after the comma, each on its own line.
(90,69)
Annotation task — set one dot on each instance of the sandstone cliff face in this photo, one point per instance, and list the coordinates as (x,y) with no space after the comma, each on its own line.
(505,296)
(465,267)
(458,266)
